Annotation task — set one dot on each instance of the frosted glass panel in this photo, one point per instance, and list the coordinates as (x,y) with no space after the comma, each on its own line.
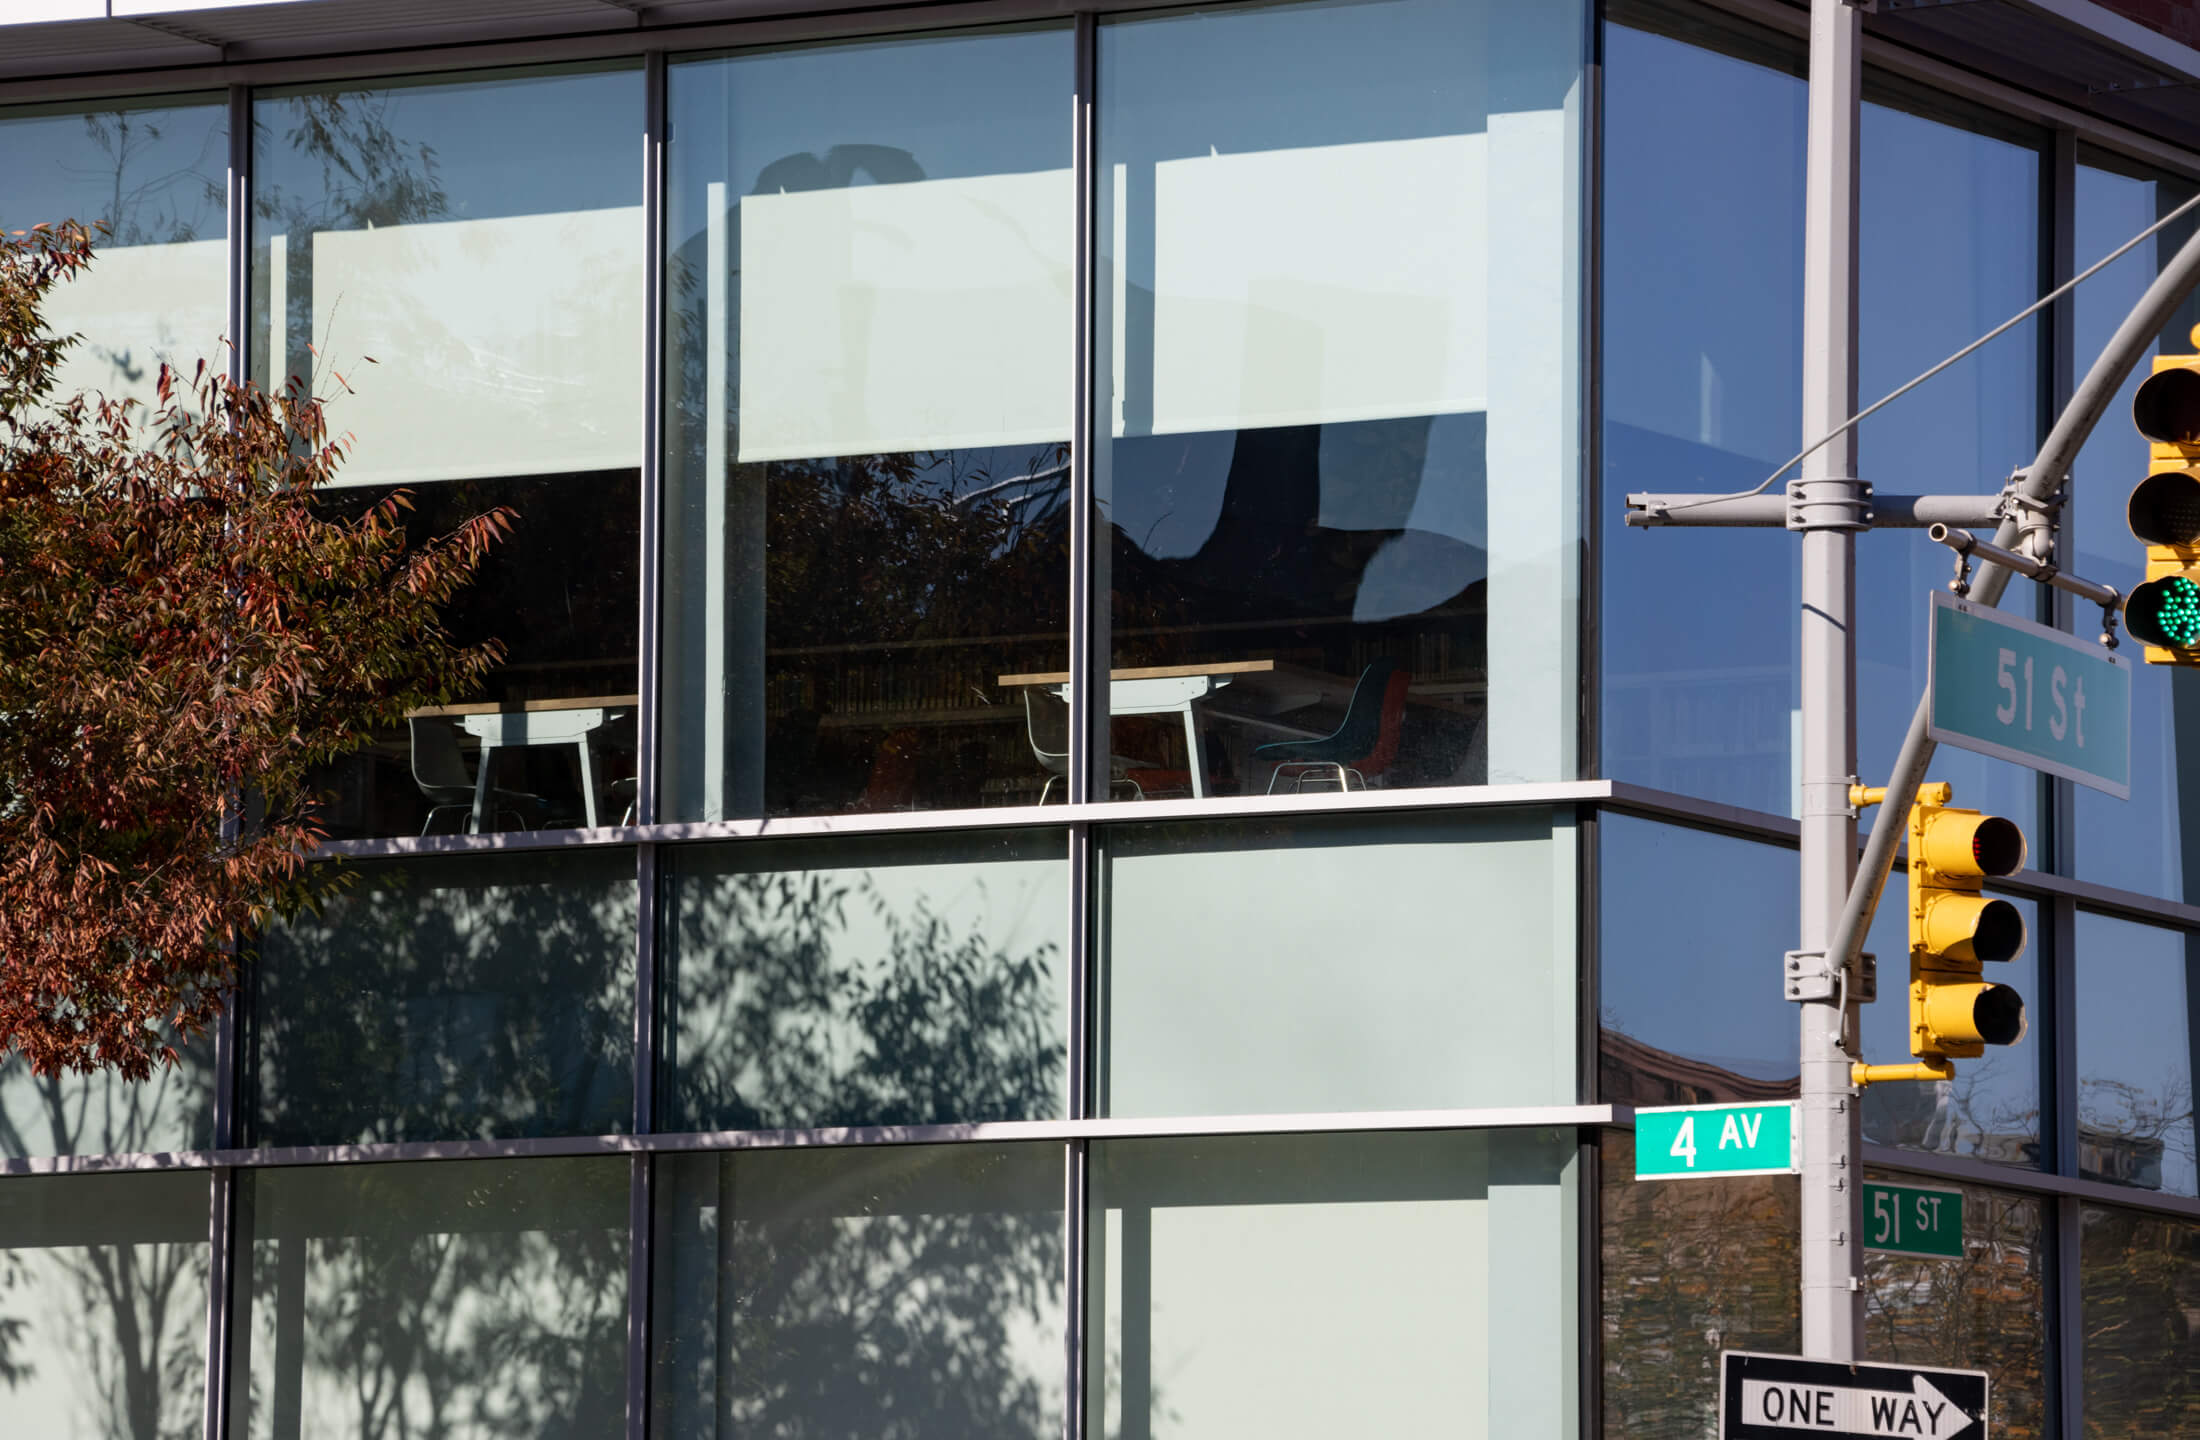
(1334,282)
(867,982)
(505,346)
(461,1299)
(905,1292)
(155,173)
(929,315)
(1304,1287)
(1374,964)
(103,1300)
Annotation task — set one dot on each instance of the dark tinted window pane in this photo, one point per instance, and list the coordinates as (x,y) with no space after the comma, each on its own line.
(1702,325)
(867,982)
(867,418)
(2139,843)
(451,998)
(103,1298)
(1985,1310)
(1693,925)
(464,1299)
(1337,269)
(1689,1268)
(1361,963)
(2140,1280)
(1310,1286)
(860,1292)
(481,242)
(2135,1121)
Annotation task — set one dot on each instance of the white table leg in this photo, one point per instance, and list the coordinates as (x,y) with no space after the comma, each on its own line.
(484,762)
(588,784)
(1197,761)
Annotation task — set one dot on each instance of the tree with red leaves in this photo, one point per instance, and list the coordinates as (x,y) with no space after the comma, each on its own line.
(184,637)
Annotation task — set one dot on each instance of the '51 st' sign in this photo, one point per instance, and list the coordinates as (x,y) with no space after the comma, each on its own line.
(2022,692)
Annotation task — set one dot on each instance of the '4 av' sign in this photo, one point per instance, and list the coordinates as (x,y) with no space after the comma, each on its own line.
(1777,1397)
(1673,1142)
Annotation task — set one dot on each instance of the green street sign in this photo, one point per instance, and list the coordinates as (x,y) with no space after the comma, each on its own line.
(1913,1220)
(1675,1142)
(2022,692)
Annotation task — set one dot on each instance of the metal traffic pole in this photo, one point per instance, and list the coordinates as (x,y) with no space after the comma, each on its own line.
(1829,509)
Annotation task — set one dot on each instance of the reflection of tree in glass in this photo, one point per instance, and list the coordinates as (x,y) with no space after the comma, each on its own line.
(483,997)
(1691,1267)
(2137,1134)
(1985,1310)
(460,1301)
(784,1024)
(2141,1285)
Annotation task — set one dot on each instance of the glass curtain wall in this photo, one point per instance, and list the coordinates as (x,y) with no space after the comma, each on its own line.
(2139,843)
(2134,1042)
(152,174)
(1336,394)
(486,319)
(867,418)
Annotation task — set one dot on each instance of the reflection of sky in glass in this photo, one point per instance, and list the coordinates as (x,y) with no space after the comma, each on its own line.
(2137,843)
(2134,1054)
(1686,975)
(1949,218)
(1703,218)
(153,170)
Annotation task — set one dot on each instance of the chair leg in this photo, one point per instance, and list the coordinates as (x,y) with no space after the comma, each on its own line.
(1047,789)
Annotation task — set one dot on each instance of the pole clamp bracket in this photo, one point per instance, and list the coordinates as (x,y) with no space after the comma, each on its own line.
(1809,977)
(1829,502)
(2037,520)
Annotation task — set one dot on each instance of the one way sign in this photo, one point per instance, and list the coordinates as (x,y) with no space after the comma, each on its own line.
(1780,1397)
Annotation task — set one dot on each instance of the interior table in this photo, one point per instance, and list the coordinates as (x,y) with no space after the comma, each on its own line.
(535,722)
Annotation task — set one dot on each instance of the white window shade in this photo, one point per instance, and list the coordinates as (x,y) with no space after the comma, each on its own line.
(137,306)
(1308,286)
(506,346)
(932,315)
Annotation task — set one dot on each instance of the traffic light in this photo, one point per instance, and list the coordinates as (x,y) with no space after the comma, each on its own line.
(1954,1012)
(2163,611)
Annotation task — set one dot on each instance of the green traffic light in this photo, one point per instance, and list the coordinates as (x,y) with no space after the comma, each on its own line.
(2165,613)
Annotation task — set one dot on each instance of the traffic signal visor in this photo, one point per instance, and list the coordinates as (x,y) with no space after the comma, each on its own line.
(2163,610)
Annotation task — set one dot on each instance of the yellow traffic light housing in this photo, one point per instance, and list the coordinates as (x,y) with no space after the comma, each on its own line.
(2163,610)
(1954,929)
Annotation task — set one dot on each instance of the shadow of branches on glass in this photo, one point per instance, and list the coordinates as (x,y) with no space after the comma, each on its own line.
(453,998)
(812,998)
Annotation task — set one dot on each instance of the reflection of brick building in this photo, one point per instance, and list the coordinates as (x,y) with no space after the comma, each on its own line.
(1633,1073)
(2119,1159)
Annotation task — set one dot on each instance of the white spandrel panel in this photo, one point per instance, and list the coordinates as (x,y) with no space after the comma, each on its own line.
(135,308)
(505,346)
(931,315)
(1316,285)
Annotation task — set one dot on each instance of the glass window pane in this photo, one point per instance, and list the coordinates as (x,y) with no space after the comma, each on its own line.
(453,998)
(2140,1279)
(890,1292)
(1363,964)
(479,241)
(1338,289)
(2136,844)
(1691,1002)
(1991,1110)
(1703,346)
(464,1299)
(881,981)
(1949,250)
(1690,1268)
(103,1304)
(102,1113)
(1984,1311)
(1302,1286)
(867,421)
(155,173)
(2135,1121)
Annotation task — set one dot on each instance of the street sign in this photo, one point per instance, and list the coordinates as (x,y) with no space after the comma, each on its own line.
(2022,692)
(1674,1142)
(1913,1220)
(1777,1397)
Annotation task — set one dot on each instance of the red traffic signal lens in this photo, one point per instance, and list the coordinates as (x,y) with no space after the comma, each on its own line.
(2167,407)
